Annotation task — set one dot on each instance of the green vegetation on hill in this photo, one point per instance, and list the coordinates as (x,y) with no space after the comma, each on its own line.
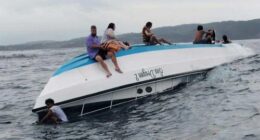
(236,30)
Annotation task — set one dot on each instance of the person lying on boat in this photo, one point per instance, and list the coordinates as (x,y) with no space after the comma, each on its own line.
(98,52)
(199,36)
(225,39)
(112,46)
(55,114)
(110,35)
(149,38)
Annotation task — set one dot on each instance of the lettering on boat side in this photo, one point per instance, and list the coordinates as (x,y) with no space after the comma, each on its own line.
(150,73)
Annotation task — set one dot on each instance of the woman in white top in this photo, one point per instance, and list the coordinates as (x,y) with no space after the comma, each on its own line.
(110,35)
(109,39)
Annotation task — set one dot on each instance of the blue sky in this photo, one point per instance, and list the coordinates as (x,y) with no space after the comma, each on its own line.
(33,20)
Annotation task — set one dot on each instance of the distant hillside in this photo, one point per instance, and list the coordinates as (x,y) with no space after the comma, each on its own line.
(236,30)
(78,42)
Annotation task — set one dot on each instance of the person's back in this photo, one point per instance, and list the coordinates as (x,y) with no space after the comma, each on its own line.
(199,34)
(58,112)
(55,114)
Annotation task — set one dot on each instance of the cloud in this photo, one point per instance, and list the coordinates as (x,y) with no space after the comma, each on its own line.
(31,20)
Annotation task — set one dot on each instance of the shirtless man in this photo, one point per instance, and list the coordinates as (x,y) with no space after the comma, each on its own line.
(199,36)
(149,38)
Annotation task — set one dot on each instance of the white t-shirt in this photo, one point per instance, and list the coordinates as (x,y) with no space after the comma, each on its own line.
(58,112)
(108,34)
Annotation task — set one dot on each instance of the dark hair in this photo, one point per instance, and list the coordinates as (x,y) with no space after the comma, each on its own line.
(200,27)
(111,26)
(225,38)
(49,101)
(148,24)
(213,35)
(126,43)
(93,27)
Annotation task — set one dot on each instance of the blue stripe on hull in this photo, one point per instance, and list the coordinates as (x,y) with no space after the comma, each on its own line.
(84,59)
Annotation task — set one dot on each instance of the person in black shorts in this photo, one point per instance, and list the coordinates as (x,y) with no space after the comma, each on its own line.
(97,52)
(102,53)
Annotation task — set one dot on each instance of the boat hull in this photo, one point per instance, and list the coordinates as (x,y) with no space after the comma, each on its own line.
(82,83)
(114,97)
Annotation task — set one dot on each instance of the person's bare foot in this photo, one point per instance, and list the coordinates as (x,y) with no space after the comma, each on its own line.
(118,70)
(109,75)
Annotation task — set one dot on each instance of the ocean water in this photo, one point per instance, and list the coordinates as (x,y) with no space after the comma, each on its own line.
(223,106)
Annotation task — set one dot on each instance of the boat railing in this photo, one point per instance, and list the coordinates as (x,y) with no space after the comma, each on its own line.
(187,79)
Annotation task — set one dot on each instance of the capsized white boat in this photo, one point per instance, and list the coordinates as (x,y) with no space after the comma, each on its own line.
(81,86)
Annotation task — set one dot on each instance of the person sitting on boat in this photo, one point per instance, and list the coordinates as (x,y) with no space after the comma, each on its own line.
(110,35)
(149,38)
(97,51)
(225,39)
(213,36)
(199,36)
(210,36)
(55,114)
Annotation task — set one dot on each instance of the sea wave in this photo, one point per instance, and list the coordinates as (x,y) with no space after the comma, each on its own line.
(223,105)
(16,56)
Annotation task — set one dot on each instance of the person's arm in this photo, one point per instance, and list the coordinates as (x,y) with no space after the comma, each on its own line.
(46,116)
(148,33)
(90,43)
(124,46)
(204,32)
(96,46)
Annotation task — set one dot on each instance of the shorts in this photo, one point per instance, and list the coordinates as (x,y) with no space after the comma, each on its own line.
(102,53)
(201,42)
(59,120)
(150,43)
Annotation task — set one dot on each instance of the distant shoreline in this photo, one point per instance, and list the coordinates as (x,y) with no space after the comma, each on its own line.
(236,30)
(17,48)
